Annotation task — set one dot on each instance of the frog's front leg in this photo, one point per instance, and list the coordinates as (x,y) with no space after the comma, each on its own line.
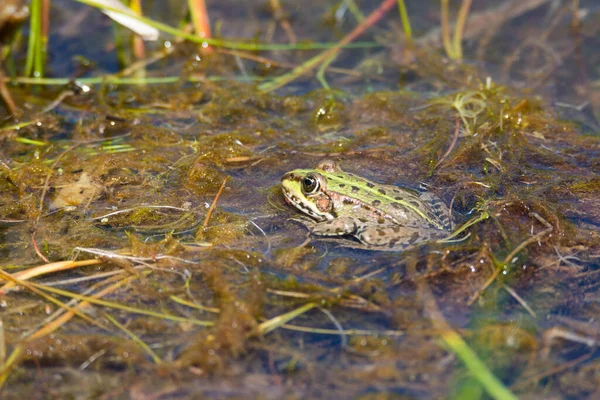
(396,237)
(336,227)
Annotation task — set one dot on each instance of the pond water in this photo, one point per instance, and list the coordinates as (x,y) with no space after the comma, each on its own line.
(155,186)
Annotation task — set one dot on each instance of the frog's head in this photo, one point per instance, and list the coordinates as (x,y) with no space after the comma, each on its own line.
(306,189)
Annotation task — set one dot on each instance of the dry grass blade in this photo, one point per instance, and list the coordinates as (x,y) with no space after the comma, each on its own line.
(211,210)
(280,320)
(527,380)
(2,345)
(280,64)
(520,300)
(37,249)
(10,363)
(118,306)
(47,269)
(349,332)
(194,305)
(6,97)
(53,325)
(34,288)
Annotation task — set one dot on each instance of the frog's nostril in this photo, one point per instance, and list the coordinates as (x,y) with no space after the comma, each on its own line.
(288,176)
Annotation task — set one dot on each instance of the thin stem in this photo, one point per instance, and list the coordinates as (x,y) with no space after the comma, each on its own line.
(34,26)
(308,66)
(200,21)
(446,30)
(461,21)
(137,41)
(323,68)
(405,20)
(223,43)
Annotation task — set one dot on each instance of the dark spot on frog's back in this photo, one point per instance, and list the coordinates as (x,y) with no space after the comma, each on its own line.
(381,191)
(355,189)
(376,203)
(370,185)
(342,185)
(414,237)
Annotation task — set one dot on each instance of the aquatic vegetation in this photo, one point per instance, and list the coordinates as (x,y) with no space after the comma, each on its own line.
(468,106)
(146,245)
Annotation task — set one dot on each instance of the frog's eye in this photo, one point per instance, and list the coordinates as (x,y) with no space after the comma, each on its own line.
(310,184)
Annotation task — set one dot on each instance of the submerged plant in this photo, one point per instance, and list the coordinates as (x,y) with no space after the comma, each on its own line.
(468,105)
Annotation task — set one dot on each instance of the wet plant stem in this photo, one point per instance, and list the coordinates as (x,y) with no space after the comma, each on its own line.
(405,20)
(2,345)
(452,144)
(445,24)
(453,47)
(200,20)
(355,11)
(509,258)
(459,29)
(454,342)
(6,97)
(576,20)
(230,44)
(137,41)
(211,209)
(493,386)
(95,300)
(40,60)
(280,17)
(323,68)
(135,338)
(309,65)
(34,38)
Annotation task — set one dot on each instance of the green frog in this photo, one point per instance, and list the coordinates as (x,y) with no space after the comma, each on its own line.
(380,217)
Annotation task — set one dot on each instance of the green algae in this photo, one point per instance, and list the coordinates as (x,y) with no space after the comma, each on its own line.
(144,165)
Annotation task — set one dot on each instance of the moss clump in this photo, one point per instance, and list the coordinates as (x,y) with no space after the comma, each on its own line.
(203,178)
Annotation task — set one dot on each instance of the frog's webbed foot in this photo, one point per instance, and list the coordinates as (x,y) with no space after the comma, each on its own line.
(336,227)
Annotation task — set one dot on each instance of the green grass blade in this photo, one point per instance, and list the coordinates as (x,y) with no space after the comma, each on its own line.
(476,367)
